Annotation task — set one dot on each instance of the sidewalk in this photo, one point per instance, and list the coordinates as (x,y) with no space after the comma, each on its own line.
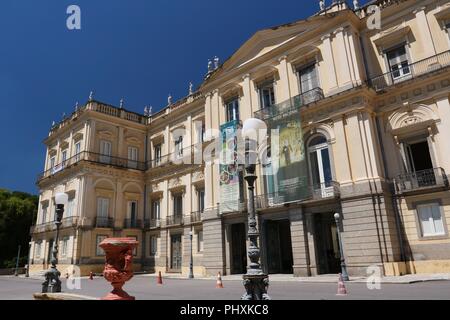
(406,279)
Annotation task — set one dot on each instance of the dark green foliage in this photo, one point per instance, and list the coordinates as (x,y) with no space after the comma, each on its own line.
(17,213)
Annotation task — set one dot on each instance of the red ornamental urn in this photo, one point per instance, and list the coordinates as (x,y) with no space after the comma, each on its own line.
(119,265)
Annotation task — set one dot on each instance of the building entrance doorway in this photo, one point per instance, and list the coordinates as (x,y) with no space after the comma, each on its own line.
(176,254)
(238,249)
(327,244)
(279,246)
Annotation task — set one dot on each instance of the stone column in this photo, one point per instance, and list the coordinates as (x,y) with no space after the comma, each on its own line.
(299,244)
(424,32)
(344,62)
(329,63)
(213,237)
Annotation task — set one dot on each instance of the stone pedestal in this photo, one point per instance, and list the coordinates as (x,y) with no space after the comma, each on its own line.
(119,265)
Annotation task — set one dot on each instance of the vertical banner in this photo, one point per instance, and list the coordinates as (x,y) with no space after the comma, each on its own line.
(289,168)
(228,168)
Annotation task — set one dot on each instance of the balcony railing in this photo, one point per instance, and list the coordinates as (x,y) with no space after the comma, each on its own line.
(152,223)
(51,226)
(411,71)
(104,222)
(196,216)
(69,222)
(100,107)
(189,155)
(174,220)
(94,158)
(420,180)
(132,224)
(323,191)
(290,105)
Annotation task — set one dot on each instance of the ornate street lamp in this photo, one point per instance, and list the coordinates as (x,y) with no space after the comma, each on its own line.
(191,265)
(256,282)
(343,265)
(52,283)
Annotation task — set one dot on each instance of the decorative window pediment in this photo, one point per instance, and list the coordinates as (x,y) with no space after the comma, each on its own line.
(230,90)
(411,118)
(444,12)
(392,36)
(78,136)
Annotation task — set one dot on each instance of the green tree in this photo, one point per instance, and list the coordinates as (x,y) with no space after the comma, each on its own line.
(18,211)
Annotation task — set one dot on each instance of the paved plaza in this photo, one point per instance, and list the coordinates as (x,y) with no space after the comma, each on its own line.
(145,287)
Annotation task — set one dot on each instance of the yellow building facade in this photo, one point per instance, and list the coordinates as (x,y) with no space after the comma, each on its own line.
(374,111)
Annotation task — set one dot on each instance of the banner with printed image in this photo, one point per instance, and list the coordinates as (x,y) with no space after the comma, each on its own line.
(228,168)
(288,158)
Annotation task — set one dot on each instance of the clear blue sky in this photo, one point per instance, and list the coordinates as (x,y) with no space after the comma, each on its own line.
(137,49)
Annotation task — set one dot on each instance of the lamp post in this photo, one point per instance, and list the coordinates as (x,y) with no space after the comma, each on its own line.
(52,283)
(16,273)
(341,250)
(255,281)
(191,264)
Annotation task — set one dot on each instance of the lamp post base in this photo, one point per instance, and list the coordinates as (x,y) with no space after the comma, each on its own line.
(256,287)
(52,284)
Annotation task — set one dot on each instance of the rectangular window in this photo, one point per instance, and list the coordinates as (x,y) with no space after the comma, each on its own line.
(64,158)
(179,147)
(132,157)
(178,205)
(102,207)
(52,162)
(153,245)
(200,241)
(447,27)
(156,210)
(77,151)
(266,95)
(64,246)
(201,200)
(136,248)
(308,78)
(157,153)
(431,219)
(44,213)
(232,110)
(132,213)
(99,251)
(70,205)
(398,62)
(105,151)
(38,249)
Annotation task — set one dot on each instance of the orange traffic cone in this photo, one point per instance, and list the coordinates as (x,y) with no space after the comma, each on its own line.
(160,278)
(342,291)
(219,283)
(91,276)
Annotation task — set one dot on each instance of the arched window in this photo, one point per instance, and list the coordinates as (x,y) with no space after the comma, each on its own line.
(319,162)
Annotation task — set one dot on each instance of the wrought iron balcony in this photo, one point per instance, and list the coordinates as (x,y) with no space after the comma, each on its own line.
(421,180)
(94,158)
(411,71)
(132,224)
(290,105)
(323,191)
(175,220)
(196,216)
(189,155)
(152,223)
(104,222)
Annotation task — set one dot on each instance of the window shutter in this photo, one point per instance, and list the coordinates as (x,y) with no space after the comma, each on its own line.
(437,220)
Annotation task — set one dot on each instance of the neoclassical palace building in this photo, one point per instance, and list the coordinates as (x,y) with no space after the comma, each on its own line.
(372,106)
